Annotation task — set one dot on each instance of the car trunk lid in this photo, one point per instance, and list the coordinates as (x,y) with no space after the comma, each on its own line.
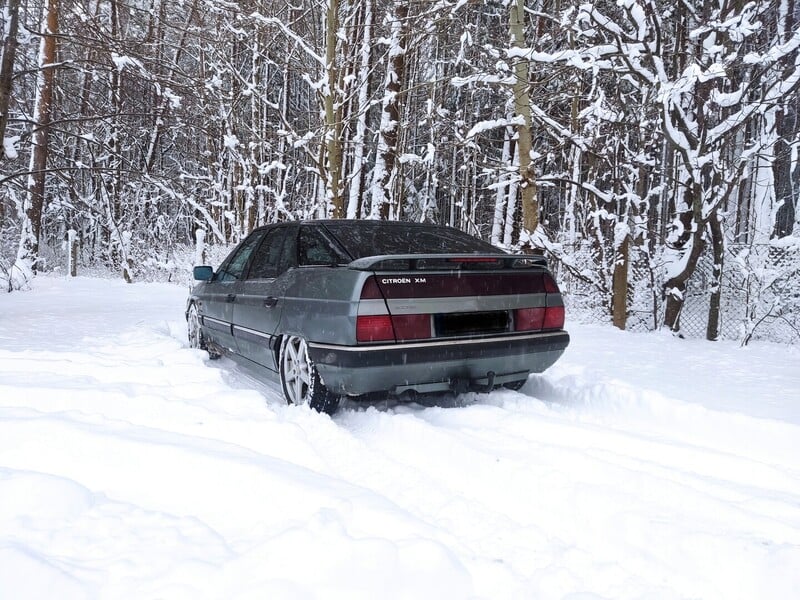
(421,297)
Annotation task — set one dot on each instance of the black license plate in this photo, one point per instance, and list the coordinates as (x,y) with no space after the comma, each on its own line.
(456,324)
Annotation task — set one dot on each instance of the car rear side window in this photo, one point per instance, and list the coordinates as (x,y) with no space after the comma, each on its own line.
(313,248)
(372,238)
(289,252)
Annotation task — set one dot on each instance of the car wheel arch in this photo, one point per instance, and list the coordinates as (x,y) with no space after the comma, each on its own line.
(202,344)
(315,394)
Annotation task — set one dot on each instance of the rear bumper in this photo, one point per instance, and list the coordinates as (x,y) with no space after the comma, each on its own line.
(434,365)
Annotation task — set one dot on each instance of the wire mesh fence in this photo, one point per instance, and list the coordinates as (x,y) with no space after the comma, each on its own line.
(760,292)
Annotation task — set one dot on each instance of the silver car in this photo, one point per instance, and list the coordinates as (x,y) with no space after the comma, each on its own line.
(348,308)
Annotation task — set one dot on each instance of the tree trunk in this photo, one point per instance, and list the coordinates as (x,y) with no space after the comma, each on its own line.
(675,286)
(72,253)
(28,252)
(619,284)
(522,107)
(786,170)
(501,196)
(718,248)
(7,67)
(382,196)
(511,204)
(354,204)
(333,125)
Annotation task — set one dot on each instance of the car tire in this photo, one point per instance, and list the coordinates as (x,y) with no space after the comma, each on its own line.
(300,380)
(195,333)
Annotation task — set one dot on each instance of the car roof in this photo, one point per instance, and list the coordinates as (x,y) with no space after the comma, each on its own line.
(360,222)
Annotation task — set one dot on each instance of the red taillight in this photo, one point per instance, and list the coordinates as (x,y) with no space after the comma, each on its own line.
(385,327)
(412,327)
(538,319)
(374,328)
(554,318)
(527,319)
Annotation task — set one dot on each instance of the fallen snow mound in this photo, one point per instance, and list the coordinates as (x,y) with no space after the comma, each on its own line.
(639,466)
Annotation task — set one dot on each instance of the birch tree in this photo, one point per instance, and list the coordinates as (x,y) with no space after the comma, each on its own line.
(360,109)
(384,204)
(522,108)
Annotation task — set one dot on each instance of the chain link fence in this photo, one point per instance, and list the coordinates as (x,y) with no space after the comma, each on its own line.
(760,297)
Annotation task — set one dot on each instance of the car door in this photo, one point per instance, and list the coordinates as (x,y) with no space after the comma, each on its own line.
(218,297)
(260,299)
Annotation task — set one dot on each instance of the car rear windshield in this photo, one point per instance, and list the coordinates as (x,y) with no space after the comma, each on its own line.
(374,238)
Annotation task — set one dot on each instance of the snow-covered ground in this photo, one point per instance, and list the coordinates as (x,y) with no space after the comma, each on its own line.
(640,466)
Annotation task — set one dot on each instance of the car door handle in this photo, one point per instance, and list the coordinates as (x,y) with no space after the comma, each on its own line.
(230,298)
(270,301)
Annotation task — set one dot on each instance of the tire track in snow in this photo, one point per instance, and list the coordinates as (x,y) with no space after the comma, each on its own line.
(584,484)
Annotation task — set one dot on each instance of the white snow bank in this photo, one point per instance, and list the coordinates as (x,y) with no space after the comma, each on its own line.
(639,466)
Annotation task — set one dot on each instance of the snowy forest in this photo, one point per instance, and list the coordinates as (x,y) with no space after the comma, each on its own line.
(648,148)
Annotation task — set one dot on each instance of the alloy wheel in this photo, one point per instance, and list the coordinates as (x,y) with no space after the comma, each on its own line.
(193,328)
(297,371)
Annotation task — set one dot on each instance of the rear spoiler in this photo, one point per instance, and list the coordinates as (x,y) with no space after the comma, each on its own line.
(455,262)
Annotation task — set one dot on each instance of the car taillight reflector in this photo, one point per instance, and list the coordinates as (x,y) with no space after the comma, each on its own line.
(371,291)
(374,328)
(527,319)
(554,318)
(550,285)
(412,327)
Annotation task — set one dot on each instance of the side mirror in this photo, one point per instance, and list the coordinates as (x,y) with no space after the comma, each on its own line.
(203,273)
